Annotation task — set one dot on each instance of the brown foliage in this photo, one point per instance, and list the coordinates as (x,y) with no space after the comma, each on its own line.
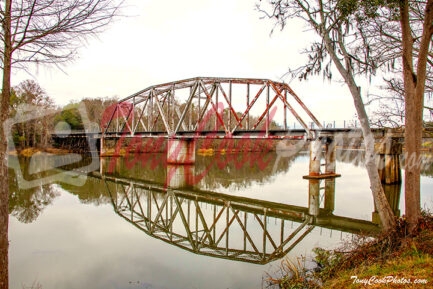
(367,251)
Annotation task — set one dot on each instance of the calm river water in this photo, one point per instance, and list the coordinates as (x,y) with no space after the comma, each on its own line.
(225,222)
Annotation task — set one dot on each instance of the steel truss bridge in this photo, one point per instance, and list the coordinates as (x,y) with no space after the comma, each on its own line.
(220,225)
(211,107)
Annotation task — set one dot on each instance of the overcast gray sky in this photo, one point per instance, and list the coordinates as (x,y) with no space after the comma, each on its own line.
(162,41)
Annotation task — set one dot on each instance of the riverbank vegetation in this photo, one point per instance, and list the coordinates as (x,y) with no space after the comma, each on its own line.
(395,259)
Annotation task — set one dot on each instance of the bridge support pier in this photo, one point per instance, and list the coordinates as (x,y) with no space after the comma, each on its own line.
(181,151)
(388,160)
(329,195)
(315,157)
(318,147)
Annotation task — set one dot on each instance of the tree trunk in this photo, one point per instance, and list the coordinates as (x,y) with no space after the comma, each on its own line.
(4,182)
(386,215)
(413,137)
(414,88)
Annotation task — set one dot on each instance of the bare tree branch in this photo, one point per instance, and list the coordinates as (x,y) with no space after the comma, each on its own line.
(50,31)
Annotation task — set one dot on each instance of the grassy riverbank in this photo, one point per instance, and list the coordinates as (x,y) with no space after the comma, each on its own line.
(392,260)
(412,269)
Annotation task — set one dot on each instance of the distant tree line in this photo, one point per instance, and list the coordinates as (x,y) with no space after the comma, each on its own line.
(25,98)
(29,98)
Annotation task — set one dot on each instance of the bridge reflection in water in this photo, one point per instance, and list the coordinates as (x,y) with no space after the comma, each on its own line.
(226,226)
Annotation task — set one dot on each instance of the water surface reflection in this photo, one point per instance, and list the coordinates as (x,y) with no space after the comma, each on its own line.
(229,207)
(225,226)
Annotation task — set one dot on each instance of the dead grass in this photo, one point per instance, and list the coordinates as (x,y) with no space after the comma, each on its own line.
(395,254)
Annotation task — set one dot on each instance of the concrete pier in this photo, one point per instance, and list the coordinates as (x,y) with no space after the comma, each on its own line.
(329,205)
(181,151)
(322,147)
(315,157)
(330,155)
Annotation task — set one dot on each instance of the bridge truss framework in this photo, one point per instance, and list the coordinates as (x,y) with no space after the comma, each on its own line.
(198,105)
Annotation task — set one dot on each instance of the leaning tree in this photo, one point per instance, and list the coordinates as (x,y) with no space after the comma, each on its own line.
(346,43)
(337,46)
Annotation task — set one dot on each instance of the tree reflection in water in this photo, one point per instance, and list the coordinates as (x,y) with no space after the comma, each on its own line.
(27,205)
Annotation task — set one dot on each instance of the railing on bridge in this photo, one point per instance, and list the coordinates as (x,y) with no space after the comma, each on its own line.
(226,105)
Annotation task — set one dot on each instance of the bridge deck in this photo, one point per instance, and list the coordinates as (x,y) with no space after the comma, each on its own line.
(253,134)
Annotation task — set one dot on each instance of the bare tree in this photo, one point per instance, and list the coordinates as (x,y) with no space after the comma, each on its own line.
(42,32)
(405,28)
(388,112)
(382,35)
(339,46)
